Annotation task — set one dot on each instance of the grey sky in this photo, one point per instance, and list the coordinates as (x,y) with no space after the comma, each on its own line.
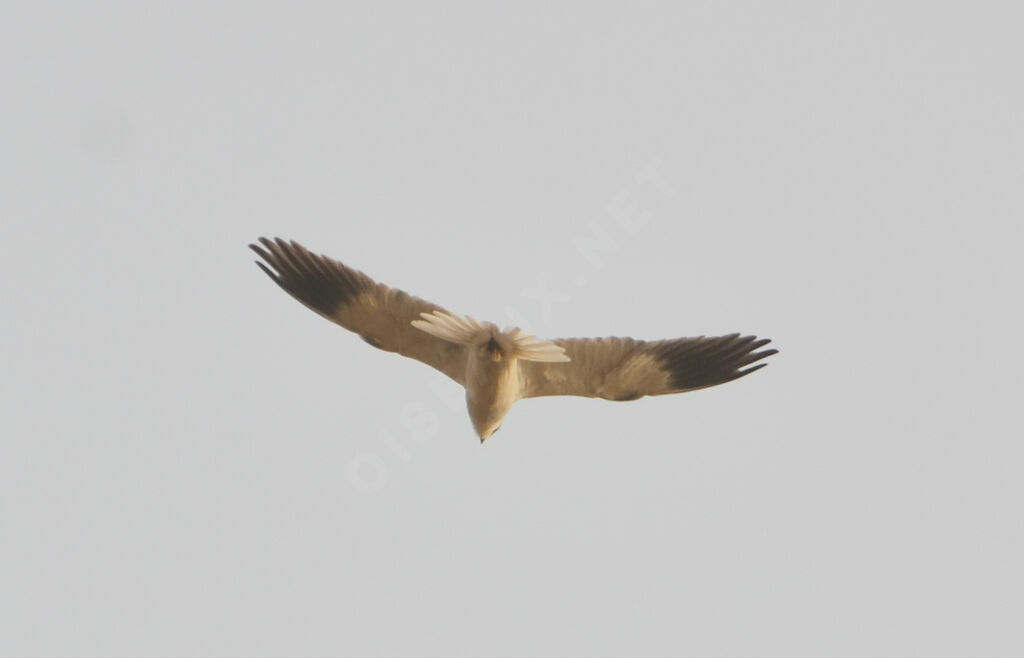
(193,464)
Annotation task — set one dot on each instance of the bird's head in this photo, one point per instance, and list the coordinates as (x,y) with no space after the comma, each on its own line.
(487,412)
(488,431)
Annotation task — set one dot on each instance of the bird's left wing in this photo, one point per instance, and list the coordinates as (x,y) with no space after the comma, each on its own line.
(627,368)
(381,315)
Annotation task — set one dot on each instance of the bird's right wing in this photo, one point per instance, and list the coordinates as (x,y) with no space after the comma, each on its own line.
(627,369)
(382,316)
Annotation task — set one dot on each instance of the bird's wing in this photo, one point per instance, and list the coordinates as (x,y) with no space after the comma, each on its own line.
(381,315)
(627,369)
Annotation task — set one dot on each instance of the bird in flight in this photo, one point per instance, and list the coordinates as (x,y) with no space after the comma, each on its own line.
(499,367)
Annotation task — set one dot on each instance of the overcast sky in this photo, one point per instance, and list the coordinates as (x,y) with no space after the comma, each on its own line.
(193,464)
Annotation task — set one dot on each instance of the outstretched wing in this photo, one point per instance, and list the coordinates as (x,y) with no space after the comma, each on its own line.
(381,315)
(627,369)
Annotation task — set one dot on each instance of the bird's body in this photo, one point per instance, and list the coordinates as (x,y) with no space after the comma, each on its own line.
(499,367)
(492,385)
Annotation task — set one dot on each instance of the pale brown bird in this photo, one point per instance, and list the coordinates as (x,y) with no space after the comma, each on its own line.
(499,367)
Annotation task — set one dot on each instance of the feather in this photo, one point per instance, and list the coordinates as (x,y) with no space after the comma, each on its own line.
(530,348)
(449,327)
(459,346)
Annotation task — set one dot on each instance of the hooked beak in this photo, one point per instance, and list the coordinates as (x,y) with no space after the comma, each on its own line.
(489,434)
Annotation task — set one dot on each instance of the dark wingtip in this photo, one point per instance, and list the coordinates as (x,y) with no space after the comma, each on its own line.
(266,269)
(319,282)
(751,369)
(703,362)
(753,357)
(261,252)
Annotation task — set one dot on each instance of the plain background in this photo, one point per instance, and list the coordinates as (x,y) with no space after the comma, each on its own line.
(195,465)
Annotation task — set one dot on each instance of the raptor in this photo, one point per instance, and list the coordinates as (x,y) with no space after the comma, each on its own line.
(498,367)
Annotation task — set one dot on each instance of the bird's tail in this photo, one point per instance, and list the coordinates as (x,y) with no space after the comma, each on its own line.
(450,327)
(530,348)
(464,330)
